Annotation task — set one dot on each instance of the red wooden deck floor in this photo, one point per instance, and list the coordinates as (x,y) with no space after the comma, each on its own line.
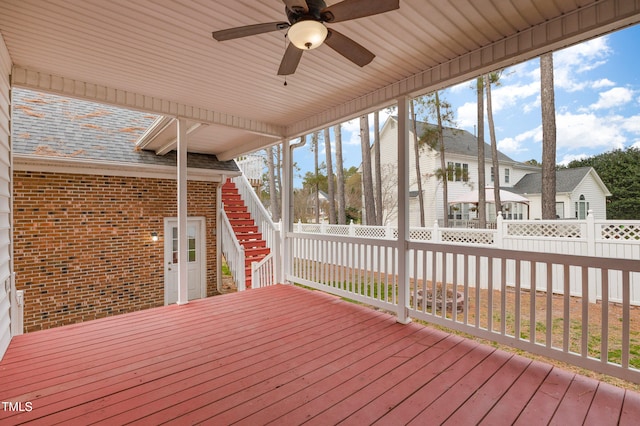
(286,355)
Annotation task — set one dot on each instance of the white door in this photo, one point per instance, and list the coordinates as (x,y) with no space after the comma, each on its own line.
(195,255)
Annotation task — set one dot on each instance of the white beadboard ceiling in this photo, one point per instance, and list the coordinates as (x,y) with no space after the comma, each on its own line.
(159,56)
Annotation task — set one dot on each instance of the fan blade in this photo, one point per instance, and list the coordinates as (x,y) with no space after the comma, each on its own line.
(296,5)
(348,48)
(354,9)
(249,30)
(290,60)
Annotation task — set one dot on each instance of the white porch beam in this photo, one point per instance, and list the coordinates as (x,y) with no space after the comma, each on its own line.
(183,269)
(403,210)
(157,127)
(171,145)
(587,22)
(244,148)
(37,80)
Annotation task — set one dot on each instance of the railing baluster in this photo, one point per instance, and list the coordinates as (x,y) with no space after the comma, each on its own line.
(532,302)
(549,320)
(626,318)
(566,300)
(604,342)
(584,348)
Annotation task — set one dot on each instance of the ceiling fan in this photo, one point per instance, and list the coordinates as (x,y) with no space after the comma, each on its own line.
(307,30)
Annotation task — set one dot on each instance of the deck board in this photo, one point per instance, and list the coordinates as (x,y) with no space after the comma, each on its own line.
(286,355)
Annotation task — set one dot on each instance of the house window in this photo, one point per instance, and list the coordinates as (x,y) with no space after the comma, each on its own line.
(559,209)
(582,208)
(506,175)
(492,174)
(458,172)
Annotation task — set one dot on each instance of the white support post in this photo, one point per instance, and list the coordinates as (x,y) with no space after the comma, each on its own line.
(403,211)
(219,208)
(499,231)
(287,207)
(183,277)
(435,233)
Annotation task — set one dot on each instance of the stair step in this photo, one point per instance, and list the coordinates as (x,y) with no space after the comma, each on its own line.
(238,215)
(241,222)
(235,209)
(231,196)
(248,233)
(249,260)
(257,252)
(252,243)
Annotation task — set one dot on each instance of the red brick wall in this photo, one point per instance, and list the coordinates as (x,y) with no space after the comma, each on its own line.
(82,244)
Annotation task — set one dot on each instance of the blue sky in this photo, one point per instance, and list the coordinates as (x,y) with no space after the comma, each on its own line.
(597,93)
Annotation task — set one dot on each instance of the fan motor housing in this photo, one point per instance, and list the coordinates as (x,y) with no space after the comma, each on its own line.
(315,8)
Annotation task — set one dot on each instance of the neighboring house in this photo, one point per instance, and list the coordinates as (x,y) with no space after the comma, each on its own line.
(578,190)
(461,156)
(94,219)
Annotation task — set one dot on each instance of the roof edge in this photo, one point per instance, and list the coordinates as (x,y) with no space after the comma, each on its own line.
(36,163)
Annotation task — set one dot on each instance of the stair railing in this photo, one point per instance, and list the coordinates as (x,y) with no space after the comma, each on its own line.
(233,252)
(263,272)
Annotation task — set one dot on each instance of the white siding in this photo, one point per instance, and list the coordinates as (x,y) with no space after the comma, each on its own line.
(593,194)
(5,199)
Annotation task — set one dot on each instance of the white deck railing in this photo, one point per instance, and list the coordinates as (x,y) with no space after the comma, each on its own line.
(233,252)
(494,284)
(616,239)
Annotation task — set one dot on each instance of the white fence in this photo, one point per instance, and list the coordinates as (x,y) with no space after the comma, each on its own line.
(619,239)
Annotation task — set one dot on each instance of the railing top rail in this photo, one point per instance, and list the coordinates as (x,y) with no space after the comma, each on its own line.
(540,257)
(343,239)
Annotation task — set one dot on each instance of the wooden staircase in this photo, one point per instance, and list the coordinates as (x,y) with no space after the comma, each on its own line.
(244,227)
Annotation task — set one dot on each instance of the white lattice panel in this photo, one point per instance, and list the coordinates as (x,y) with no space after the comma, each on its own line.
(420,234)
(629,232)
(337,230)
(466,237)
(551,230)
(370,232)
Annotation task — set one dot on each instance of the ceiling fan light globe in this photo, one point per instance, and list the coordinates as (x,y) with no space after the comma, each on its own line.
(307,35)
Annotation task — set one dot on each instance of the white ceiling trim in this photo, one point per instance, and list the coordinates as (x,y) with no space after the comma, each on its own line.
(589,22)
(37,80)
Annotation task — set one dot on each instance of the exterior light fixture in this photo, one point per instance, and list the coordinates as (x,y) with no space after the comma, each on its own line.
(154,236)
(308,34)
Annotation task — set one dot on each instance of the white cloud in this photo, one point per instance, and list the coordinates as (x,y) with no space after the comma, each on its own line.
(632,124)
(615,97)
(467,115)
(605,82)
(589,131)
(517,144)
(636,145)
(572,157)
(578,59)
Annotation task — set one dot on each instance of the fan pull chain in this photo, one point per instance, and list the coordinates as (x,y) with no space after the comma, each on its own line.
(285,48)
